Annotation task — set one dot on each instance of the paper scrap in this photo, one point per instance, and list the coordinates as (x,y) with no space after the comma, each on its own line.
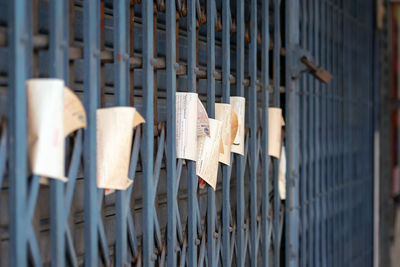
(114,143)
(203,125)
(275,123)
(223,113)
(234,126)
(208,154)
(282,174)
(238,105)
(74,112)
(186,125)
(46,146)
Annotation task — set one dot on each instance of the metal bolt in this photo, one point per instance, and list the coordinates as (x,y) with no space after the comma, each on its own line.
(153,61)
(153,257)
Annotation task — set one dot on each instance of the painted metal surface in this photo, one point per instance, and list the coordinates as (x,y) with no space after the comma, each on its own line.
(140,53)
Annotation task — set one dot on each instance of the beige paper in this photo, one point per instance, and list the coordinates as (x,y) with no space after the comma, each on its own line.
(203,125)
(275,123)
(114,142)
(238,105)
(282,174)
(234,126)
(46,146)
(186,125)
(223,113)
(74,112)
(208,154)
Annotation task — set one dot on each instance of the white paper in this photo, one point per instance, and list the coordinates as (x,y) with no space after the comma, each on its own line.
(275,123)
(208,153)
(223,113)
(203,125)
(282,174)
(46,146)
(114,142)
(238,105)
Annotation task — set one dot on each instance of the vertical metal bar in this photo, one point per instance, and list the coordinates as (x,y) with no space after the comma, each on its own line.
(265,157)
(191,165)
(148,134)
(292,137)
(211,210)
(121,98)
(91,53)
(225,99)
(18,45)
(253,131)
(276,102)
(171,149)
(58,42)
(304,149)
(310,139)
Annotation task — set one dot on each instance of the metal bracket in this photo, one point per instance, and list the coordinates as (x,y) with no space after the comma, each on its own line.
(306,59)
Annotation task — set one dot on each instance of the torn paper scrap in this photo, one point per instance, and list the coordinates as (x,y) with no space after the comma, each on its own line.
(203,126)
(208,154)
(275,123)
(282,174)
(223,113)
(46,146)
(238,105)
(186,125)
(234,126)
(114,143)
(74,112)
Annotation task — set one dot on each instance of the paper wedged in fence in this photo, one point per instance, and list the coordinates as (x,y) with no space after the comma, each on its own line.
(74,112)
(275,123)
(208,148)
(238,105)
(114,143)
(46,127)
(223,113)
(191,123)
(282,174)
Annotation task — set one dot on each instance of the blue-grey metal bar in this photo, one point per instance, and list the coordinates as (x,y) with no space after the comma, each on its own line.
(303,146)
(18,53)
(253,131)
(191,165)
(121,98)
(276,103)
(265,159)
(148,134)
(225,99)
(317,141)
(211,209)
(91,54)
(171,149)
(239,159)
(292,136)
(59,62)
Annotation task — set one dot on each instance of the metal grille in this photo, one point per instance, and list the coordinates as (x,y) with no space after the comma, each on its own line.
(140,53)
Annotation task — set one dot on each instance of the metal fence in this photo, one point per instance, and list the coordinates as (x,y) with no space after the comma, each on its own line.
(140,53)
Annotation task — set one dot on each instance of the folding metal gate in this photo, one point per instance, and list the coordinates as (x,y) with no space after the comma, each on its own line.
(119,53)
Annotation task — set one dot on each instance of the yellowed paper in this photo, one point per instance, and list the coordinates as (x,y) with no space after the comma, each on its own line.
(186,125)
(282,174)
(238,105)
(203,125)
(208,154)
(46,146)
(114,142)
(74,112)
(223,113)
(234,126)
(275,123)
